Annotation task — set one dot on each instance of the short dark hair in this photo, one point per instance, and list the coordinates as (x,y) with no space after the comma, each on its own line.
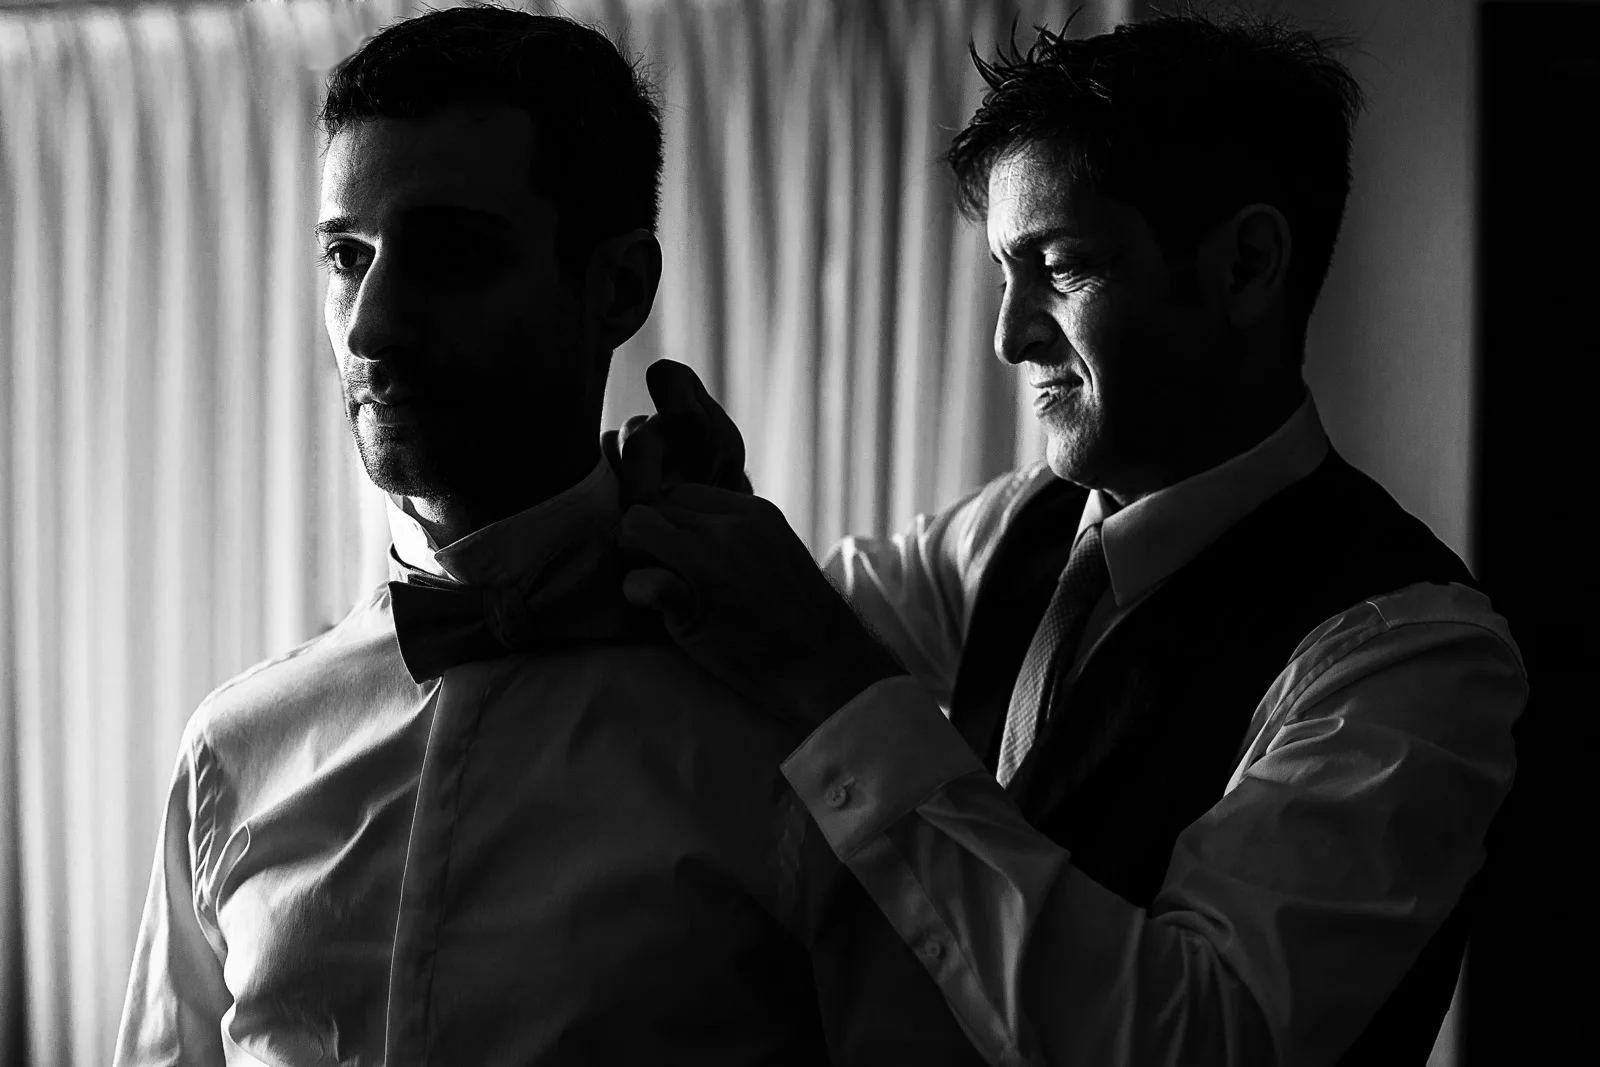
(1187,119)
(597,115)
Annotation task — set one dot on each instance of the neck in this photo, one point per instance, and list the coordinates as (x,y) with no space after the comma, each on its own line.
(1199,449)
(450,518)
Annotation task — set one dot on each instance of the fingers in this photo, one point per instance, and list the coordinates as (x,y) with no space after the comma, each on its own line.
(682,399)
(652,459)
(676,390)
(611,450)
(645,533)
(629,428)
(692,498)
(660,590)
(682,384)
(719,527)
(643,450)
(691,454)
(723,430)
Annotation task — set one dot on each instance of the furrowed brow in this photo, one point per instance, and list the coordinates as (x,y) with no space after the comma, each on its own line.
(1025,243)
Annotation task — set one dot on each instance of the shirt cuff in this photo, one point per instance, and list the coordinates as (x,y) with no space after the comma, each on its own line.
(875,760)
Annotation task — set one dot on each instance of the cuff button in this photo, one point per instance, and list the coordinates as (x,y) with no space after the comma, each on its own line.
(837,796)
(932,950)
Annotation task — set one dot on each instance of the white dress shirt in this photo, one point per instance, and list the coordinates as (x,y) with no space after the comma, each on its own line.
(1352,822)
(581,854)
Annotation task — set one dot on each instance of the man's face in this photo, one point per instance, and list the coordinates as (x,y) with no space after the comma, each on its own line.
(461,348)
(1116,352)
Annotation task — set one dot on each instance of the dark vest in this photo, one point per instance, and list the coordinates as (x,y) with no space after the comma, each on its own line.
(1145,740)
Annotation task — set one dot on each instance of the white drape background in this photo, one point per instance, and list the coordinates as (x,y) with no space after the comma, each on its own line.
(179,496)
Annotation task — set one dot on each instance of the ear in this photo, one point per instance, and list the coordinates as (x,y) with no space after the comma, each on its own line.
(1252,252)
(620,286)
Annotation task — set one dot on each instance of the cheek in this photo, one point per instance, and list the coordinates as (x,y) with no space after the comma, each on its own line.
(335,318)
(1097,328)
(336,310)
(537,342)
(502,330)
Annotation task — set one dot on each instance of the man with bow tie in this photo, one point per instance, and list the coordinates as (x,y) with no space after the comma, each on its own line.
(495,816)
(1227,727)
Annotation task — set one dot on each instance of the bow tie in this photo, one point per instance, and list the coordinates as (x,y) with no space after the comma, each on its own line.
(442,624)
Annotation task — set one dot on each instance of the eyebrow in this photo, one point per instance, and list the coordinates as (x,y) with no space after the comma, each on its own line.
(1031,240)
(427,214)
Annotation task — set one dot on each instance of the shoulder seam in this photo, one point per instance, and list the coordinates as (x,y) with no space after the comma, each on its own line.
(1439,620)
(1351,642)
(1435,619)
(293,653)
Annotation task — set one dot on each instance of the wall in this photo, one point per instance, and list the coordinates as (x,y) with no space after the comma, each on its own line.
(1390,351)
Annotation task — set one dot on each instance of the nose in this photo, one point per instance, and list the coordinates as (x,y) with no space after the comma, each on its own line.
(1024,332)
(380,314)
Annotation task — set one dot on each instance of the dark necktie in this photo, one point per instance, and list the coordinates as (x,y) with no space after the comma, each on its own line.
(1050,655)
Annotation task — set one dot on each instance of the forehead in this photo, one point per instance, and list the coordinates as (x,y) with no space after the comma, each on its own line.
(472,156)
(1032,194)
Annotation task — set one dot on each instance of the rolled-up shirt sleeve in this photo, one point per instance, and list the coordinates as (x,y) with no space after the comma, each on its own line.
(176,993)
(1290,910)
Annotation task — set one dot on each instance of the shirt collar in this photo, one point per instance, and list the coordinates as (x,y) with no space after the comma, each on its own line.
(1147,541)
(503,551)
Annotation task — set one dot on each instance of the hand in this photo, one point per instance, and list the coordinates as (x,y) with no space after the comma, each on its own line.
(689,439)
(739,592)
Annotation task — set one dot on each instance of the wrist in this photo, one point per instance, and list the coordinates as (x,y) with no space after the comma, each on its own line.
(842,684)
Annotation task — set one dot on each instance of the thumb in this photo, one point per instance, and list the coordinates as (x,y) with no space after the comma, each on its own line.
(631,426)
(611,449)
(676,389)
(643,453)
(662,591)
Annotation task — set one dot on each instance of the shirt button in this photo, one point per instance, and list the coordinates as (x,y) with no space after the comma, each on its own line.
(932,950)
(837,796)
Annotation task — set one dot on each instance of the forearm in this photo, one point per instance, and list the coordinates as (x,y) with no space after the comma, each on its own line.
(1289,911)
(1039,963)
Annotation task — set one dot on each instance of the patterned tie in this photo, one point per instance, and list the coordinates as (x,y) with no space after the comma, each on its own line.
(1050,654)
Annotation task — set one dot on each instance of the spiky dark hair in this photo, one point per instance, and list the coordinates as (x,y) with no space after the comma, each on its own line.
(1186,118)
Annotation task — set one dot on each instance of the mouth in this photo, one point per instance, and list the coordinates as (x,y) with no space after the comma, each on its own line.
(397,414)
(1051,393)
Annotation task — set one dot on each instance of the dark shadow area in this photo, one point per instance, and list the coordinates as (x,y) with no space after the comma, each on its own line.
(1530,968)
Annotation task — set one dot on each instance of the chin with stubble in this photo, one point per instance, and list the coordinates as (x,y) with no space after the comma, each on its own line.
(415,450)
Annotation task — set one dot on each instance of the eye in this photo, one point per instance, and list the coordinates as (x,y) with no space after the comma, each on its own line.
(1068,276)
(344,257)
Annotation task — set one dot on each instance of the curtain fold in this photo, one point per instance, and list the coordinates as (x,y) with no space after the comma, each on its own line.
(180,496)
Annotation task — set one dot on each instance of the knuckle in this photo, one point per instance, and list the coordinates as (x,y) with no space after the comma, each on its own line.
(634,521)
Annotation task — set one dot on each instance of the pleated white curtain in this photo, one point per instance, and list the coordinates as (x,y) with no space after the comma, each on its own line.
(179,496)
